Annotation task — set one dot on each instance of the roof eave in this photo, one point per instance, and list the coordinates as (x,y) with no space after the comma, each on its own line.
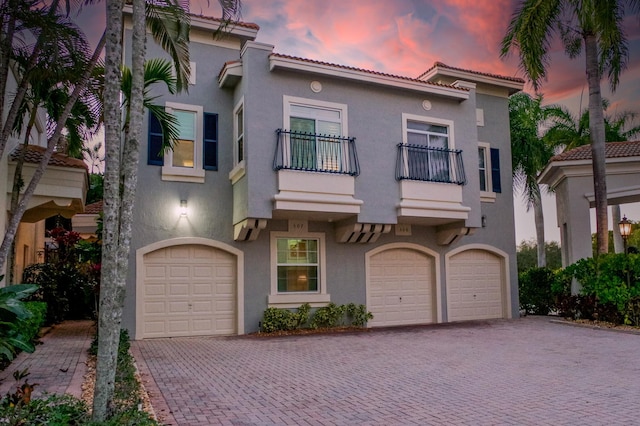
(277,62)
(510,85)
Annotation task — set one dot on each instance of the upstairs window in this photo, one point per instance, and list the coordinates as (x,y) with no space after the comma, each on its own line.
(428,143)
(316,128)
(489,172)
(196,148)
(238,131)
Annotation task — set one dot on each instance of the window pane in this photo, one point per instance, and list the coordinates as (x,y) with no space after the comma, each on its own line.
(481,158)
(183,155)
(186,124)
(438,141)
(426,127)
(297,278)
(417,139)
(304,125)
(329,128)
(315,113)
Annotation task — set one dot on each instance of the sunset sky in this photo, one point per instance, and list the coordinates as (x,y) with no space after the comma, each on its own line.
(405,37)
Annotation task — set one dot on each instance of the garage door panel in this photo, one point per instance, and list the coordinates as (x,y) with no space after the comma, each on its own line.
(189,290)
(401,287)
(475,286)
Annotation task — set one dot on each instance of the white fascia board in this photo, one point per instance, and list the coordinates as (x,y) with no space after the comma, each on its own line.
(479,78)
(365,77)
(230,72)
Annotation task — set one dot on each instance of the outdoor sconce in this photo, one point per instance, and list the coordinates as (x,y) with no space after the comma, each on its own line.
(484,220)
(625,230)
(183,207)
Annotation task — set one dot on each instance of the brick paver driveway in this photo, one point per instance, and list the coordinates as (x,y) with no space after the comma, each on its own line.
(520,372)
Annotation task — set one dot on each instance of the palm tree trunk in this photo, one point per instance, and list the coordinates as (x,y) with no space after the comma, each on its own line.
(618,243)
(108,324)
(12,228)
(6,42)
(18,97)
(539,221)
(597,134)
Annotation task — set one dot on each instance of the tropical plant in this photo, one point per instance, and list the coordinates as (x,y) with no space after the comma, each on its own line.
(595,25)
(12,311)
(55,36)
(530,154)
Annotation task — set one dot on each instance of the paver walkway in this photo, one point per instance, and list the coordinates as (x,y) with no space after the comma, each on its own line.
(59,363)
(519,372)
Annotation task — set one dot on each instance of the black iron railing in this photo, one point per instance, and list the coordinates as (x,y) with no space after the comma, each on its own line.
(316,153)
(417,162)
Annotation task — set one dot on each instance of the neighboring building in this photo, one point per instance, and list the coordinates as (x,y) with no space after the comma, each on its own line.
(61,190)
(302,181)
(570,176)
(86,223)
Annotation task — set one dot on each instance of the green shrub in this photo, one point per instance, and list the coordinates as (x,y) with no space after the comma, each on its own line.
(358,314)
(53,410)
(278,319)
(68,292)
(328,316)
(31,326)
(12,312)
(535,288)
(610,284)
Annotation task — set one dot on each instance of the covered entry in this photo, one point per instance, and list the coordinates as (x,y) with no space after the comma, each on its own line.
(187,290)
(476,285)
(401,285)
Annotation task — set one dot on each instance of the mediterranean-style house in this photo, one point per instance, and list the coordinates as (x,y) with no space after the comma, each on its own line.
(61,191)
(298,181)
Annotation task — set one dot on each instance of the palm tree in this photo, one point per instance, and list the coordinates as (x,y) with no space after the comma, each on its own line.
(595,25)
(530,153)
(169,24)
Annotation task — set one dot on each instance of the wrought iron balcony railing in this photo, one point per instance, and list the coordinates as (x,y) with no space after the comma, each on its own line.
(316,153)
(417,162)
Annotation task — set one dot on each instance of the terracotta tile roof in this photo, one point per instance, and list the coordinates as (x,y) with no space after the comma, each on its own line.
(250,25)
(345,67)
(93,208)
(612,150)
(441,65)
(34,155)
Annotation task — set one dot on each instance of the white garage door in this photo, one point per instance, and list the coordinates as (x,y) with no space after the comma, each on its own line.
(189,290)
(400,288)
(475,286)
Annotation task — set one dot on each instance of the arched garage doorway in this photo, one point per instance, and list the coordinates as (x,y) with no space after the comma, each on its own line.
(477,283)
(189,287)
(401,285)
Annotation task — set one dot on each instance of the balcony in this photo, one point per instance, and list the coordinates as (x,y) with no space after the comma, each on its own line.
(316,153)
(417,162)
(431,181)
(316,175)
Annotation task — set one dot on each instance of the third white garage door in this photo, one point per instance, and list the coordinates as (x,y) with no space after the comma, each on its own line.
(401,288)
(475,283)
(189,290)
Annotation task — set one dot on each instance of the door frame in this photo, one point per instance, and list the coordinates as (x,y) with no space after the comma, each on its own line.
(506,281)
(436,261)
(158,245)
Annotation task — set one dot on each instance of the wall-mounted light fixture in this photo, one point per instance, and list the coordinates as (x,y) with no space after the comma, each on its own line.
(484,220)
(183,207)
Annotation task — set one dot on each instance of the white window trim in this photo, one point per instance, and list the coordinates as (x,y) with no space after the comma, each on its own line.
(487,196)
(287,101)
(429,120)
(238,170)
(282,300)
(183,174)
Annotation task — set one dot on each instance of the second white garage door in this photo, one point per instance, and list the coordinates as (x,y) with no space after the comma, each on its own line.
(475,286)
(189,290)
(401,288)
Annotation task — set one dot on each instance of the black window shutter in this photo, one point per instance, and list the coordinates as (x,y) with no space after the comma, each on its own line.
(210,141)
(154,154)
(495,170)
